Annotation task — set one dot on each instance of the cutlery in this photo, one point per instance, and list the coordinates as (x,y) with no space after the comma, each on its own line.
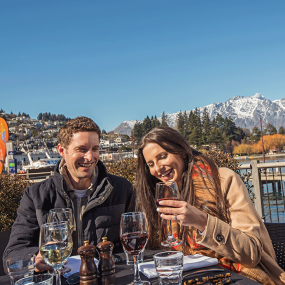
(218,279)
(202,271)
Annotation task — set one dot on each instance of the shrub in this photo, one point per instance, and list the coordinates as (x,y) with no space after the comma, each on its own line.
(125,168)
(11,192)
(224,160)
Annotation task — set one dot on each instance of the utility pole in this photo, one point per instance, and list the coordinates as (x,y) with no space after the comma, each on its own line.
(262,140)
(262,145)
(261,136)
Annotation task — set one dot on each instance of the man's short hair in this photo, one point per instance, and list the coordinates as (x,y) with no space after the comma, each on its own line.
(79,124)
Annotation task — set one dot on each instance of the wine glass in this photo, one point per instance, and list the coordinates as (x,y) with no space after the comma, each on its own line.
(56,245)
(134,236)
(167,191)
(62,215)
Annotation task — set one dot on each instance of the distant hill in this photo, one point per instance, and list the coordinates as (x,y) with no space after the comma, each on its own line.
(245,112)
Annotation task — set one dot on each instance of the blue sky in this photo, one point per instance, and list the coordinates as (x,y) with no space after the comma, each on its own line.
(118,60)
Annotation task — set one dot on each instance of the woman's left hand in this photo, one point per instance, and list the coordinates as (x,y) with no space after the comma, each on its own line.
(186,215)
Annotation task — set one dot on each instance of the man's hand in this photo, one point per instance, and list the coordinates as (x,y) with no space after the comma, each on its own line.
(40,264)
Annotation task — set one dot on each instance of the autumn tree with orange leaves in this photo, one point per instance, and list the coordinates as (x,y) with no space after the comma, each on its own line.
(276,141)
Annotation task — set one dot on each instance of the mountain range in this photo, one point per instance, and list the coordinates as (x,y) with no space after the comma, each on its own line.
(245,112)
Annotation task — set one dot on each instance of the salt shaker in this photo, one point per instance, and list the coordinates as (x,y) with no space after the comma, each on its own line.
(88,270)
(106,264)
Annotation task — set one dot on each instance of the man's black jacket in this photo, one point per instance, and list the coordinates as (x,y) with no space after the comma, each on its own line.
(112,197)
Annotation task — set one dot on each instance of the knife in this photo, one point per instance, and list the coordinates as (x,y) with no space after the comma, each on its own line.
(203,270)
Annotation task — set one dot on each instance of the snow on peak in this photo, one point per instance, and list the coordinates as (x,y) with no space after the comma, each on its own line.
(258,96)
(245,111)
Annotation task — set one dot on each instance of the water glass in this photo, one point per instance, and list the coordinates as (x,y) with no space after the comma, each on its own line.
(20,266)
(169,267)
(130,259)
(41,279)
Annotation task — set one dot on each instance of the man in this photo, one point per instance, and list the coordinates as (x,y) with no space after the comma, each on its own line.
(80,182)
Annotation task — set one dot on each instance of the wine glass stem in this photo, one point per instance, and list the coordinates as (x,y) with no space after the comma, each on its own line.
(136,269)
(57,277)
(169,229)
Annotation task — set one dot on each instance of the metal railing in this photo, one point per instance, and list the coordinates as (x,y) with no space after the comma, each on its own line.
(37,175)
(268,186)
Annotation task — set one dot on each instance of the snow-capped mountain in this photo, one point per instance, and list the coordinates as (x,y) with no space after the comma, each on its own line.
(245,111)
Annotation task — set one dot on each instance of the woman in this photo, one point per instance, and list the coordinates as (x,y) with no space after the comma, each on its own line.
(215,212)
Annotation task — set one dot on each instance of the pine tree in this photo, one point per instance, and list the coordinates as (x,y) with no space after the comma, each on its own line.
(156,122)
(195,138)
(180,123)
(281,130)
(219,121)
(255,135)
(137,131)
(152,122)
(206,126)
(164,119)
(216,136)
(270,129)
(198,125)
(230,129)
(146,125)
(190,123)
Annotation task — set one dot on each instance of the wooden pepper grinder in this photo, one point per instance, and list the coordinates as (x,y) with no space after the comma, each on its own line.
(106,264)
(88,270)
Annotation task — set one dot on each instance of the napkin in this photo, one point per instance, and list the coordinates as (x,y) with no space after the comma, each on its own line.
(189,262)
(74,263)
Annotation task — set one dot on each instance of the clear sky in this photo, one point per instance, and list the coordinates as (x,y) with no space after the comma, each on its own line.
(118,60)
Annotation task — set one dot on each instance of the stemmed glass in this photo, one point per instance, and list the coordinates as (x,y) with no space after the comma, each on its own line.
(62,215)
(167,191)
(56,245)
(134,236)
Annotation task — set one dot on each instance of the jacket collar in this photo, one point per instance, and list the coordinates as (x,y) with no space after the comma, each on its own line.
(100,174)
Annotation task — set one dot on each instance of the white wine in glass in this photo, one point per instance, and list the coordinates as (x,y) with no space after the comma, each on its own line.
(62,215)
(56,245)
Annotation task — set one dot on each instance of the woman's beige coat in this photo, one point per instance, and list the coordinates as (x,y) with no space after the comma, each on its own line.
(245,240)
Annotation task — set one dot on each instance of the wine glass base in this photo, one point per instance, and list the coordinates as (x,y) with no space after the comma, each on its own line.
(171,242)
(140,283)
(65,270)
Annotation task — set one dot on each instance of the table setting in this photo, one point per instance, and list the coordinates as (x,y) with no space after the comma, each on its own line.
(135,265)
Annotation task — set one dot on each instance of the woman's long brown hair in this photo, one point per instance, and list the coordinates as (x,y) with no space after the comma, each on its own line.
(173,142)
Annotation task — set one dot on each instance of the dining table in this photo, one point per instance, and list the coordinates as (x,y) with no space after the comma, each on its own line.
(125,273)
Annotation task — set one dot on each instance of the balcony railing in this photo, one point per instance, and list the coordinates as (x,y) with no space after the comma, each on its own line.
(268,186)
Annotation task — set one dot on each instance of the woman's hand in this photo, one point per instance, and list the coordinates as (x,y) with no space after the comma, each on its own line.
(40,264)
(186,214)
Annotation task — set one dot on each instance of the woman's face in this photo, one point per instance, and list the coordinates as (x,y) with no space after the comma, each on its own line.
(163,165)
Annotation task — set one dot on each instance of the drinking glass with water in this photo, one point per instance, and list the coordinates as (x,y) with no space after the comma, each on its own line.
(169,267)
(20,266)
(41,279)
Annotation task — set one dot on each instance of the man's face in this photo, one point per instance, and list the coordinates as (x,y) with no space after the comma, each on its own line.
(81,157)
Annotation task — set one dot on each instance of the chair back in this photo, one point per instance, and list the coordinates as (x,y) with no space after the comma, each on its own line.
(277,234)
(4,238)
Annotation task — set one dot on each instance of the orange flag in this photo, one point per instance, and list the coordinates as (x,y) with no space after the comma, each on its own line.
(4,137)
